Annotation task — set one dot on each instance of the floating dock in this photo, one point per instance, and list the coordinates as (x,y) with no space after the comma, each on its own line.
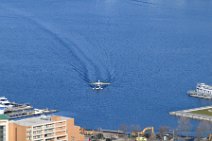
(202,113)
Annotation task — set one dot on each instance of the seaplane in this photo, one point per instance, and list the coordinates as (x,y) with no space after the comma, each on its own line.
(99,85)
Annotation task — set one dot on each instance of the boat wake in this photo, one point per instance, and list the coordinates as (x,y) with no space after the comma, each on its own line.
(90,62)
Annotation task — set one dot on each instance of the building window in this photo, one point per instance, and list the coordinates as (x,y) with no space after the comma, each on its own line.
(2,133)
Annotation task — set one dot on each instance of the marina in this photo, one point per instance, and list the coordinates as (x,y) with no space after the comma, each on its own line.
(15,110)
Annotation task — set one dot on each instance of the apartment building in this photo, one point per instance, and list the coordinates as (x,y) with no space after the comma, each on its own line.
(43,128)
(4,128)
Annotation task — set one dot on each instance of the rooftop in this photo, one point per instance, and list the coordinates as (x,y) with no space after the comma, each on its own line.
(34,121)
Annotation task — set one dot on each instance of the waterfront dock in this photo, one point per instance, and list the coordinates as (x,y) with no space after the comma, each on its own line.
(202,113)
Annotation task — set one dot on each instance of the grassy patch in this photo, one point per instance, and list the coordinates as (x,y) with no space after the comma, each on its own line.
(207,112)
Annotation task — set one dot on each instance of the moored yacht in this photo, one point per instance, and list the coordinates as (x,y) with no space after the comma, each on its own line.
(202,91)
(14,110)
(5,103)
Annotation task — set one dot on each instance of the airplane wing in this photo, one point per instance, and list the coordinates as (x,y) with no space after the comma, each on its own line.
(94,83)
(99,83)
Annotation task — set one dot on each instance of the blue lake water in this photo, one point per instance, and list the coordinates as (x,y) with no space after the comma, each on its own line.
(151,51)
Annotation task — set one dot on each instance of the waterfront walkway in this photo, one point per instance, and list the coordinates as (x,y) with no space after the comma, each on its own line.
(190,113)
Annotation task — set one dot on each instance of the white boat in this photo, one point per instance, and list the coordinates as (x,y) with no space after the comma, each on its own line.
(5,103)
(99,85)
(202,91)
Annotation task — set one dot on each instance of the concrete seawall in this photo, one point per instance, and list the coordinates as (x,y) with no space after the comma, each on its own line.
(188,114)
